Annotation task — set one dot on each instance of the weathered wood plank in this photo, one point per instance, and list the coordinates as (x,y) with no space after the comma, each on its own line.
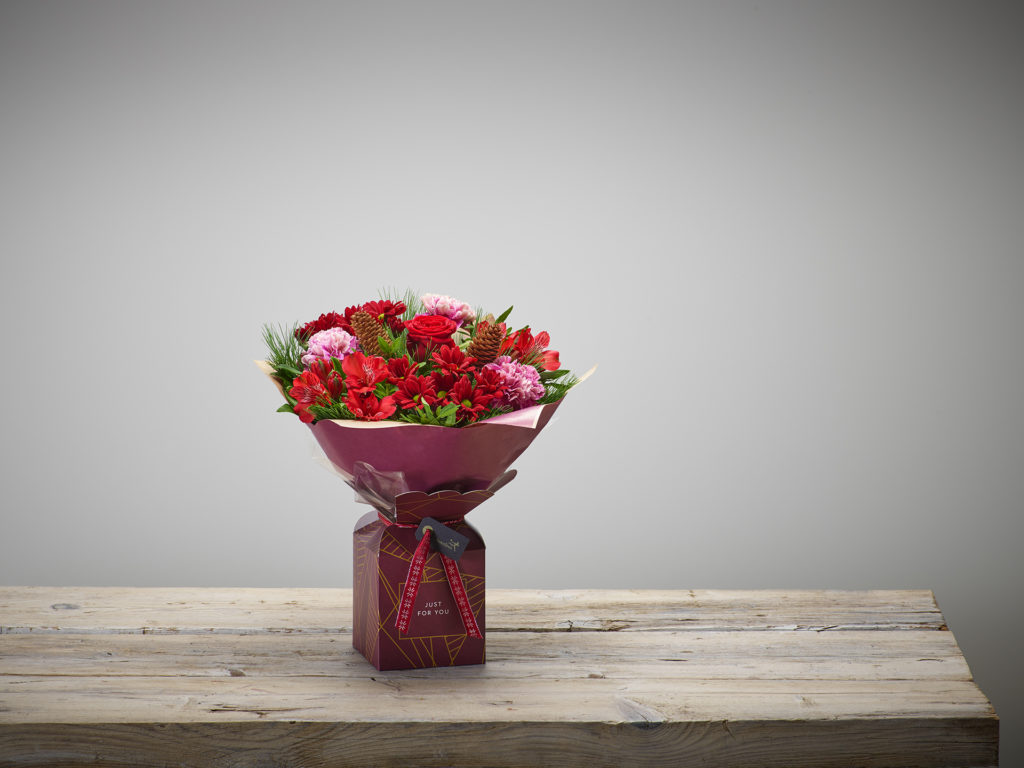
(116,677)
(950,743)
(262,611)
(853,655)
(30,699)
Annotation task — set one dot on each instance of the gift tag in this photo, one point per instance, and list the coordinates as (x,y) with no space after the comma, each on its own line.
(444,539)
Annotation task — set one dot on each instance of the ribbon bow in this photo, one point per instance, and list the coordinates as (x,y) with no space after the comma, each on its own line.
(415,577)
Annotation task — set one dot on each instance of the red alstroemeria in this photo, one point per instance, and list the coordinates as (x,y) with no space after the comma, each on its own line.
(531,350)
(363,373)
(308,389)
(322,323)
(415,391)
(549,360)
(453,361)
(471,401)
(333,381)
(368,408)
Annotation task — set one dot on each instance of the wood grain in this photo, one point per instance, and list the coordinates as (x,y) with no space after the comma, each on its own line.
(107,610)
(226,677)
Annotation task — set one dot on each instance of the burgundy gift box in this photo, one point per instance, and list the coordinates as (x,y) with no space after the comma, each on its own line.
(383,557)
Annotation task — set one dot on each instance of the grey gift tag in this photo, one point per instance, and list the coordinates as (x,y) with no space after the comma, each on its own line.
(444,539)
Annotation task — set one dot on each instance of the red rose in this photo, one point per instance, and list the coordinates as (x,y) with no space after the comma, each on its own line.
(430,331)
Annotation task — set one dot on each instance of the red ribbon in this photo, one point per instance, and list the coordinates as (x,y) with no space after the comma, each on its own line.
(415,577)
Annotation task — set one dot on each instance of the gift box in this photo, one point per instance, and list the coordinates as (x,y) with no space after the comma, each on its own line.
(426,611)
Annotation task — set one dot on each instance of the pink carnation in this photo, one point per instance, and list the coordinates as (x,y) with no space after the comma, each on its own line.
(333,342)
(520,383)
(436,304)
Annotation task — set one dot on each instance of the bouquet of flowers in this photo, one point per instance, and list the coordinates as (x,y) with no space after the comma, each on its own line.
(421,404)
(428,361)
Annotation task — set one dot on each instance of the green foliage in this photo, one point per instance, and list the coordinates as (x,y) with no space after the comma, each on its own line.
(285,350)
(413,305)
(557,384)
(332,411)
(393,346)
(285,357)
(494,412)
(479,314)
(546,376)
(504,315)
(445,416)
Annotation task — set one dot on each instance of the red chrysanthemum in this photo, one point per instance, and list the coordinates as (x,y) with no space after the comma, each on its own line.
(490,383)
(471,401)
(443,381)
(415,391)
(387,310)
(363,373)
(398,369)
(453,361)
(368,408)
(322,323)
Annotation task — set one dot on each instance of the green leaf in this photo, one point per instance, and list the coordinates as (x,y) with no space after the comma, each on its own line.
(504,315)
(284,348)
(288,370)
(552,375)
(286,408)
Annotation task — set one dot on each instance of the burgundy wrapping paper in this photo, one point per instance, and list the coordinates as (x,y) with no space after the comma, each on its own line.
(434,458)
(449,471)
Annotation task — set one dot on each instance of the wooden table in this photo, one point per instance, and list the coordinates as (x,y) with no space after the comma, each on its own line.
(268,677)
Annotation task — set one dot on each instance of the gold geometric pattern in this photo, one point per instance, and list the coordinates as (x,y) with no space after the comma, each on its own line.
(379,602)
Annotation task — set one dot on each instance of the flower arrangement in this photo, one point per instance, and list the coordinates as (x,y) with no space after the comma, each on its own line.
(430,360)
(421,405)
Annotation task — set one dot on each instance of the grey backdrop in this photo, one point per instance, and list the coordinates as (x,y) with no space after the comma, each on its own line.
(790,234)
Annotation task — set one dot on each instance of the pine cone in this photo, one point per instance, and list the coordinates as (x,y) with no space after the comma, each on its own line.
(367,331)
(486,343)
